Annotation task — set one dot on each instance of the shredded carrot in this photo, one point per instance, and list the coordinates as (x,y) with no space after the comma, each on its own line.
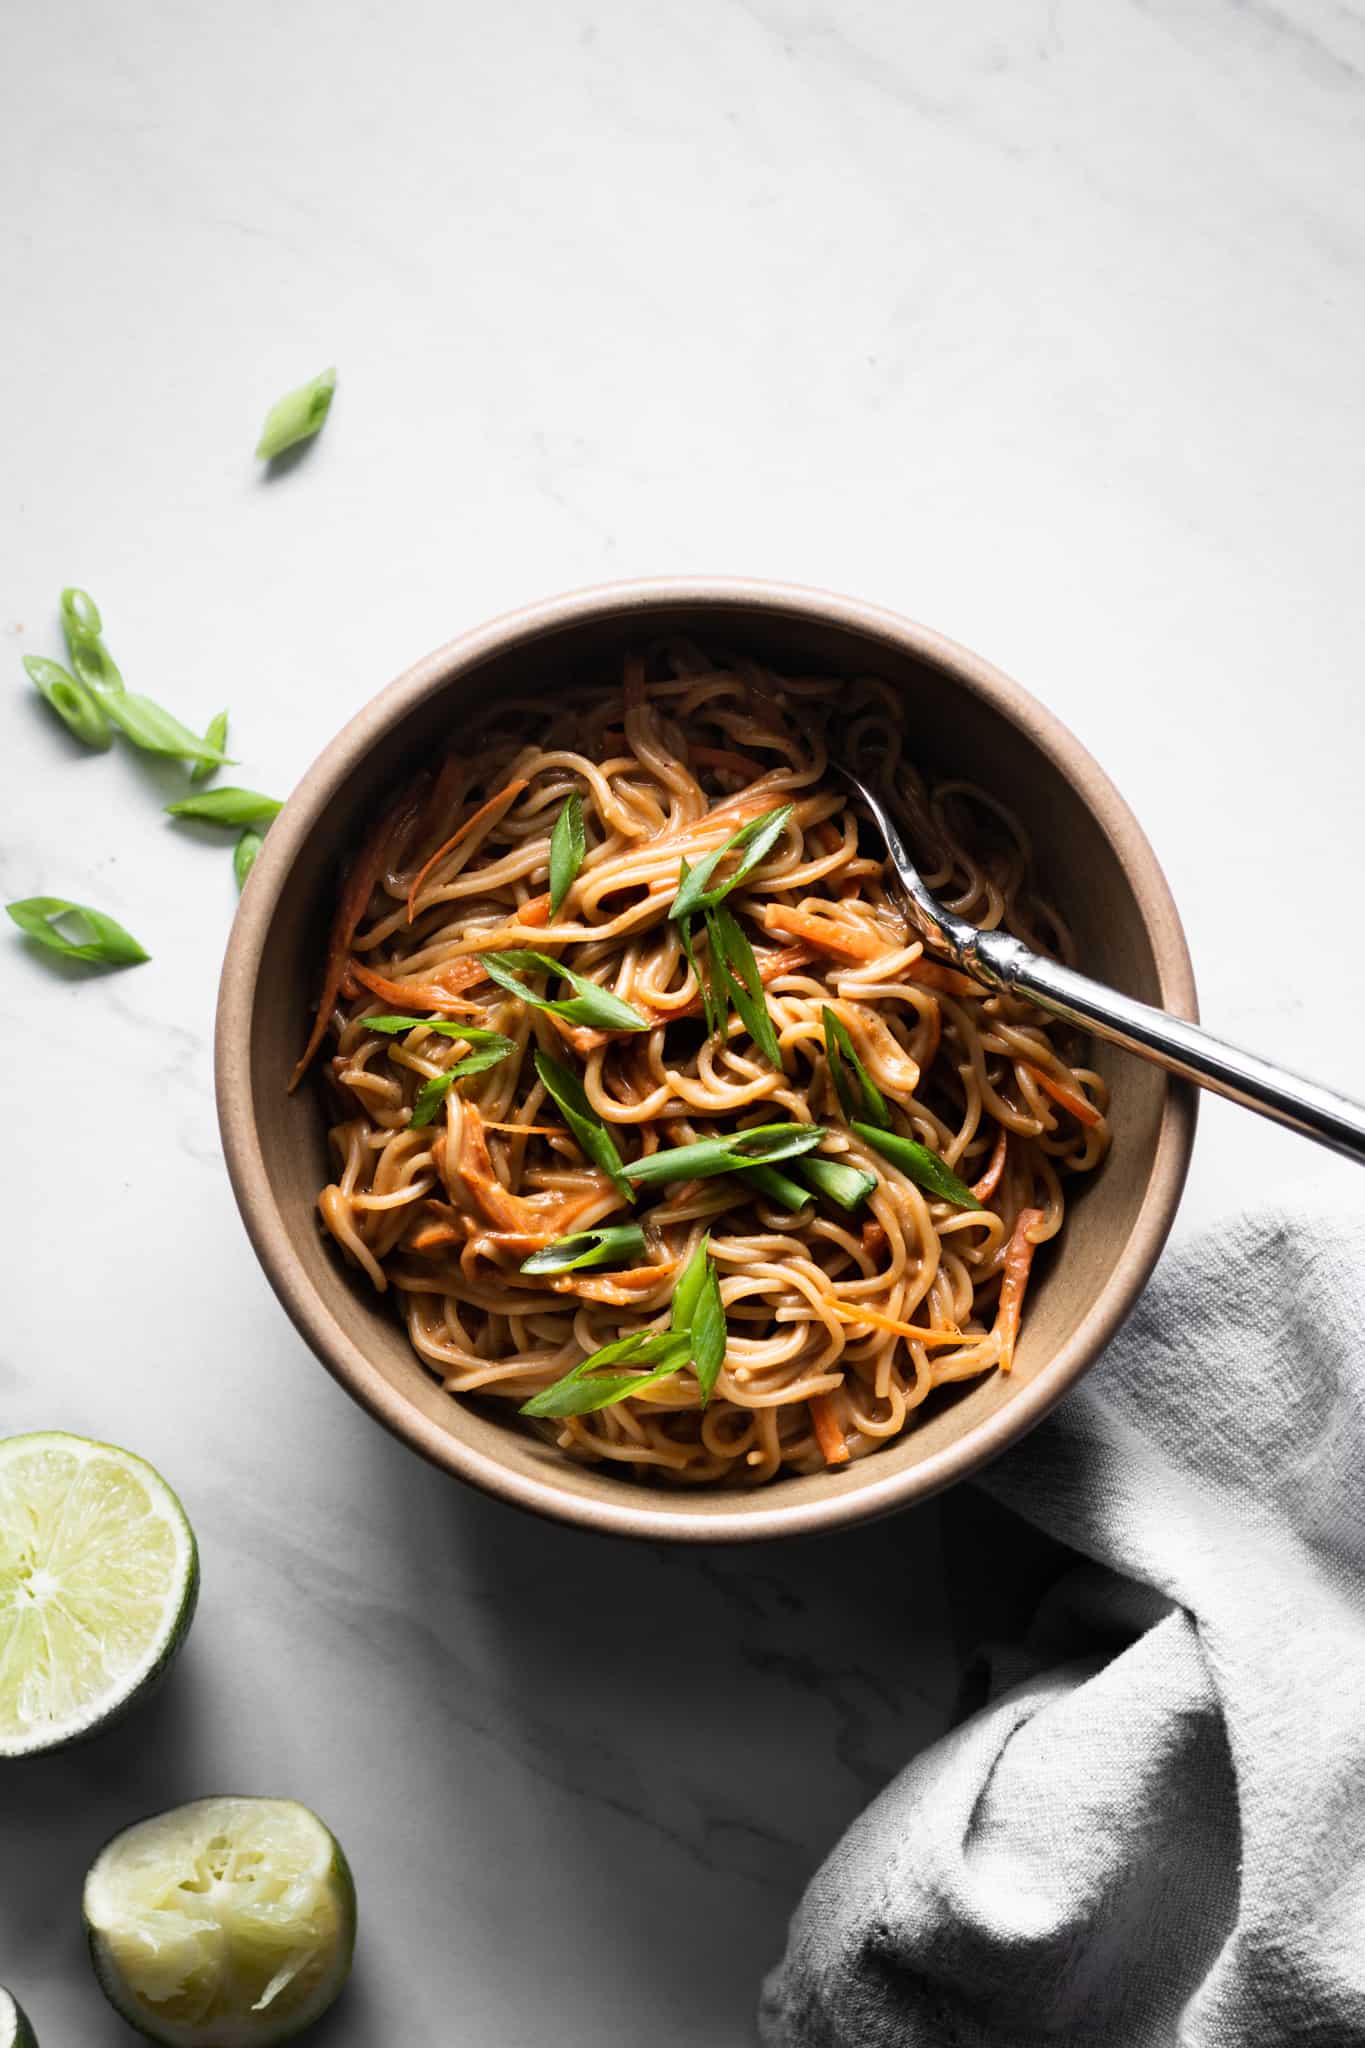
(432,1235)
(875,1240)
(528,1130)
(634,682)
(440,993)
(387,835)
(825,932)
(1018,1259)
(495,807)
(536,910)
(933,974)
(828,1434)
(722,757)
(1070,1098)
(984,1188)
(849,1312)
(617,1290)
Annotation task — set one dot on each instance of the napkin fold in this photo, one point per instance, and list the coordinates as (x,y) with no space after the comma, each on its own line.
(1156,1836)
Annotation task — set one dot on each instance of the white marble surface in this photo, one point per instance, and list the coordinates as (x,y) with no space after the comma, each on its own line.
(1038,319)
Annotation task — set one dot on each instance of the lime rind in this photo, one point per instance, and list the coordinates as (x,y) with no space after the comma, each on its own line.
(99,1578)
(228,1923)
(15,2031)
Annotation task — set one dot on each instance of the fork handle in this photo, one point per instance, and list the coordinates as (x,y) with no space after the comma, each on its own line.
(1184,1049)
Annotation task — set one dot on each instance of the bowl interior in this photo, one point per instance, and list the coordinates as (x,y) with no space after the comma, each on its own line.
(963,720)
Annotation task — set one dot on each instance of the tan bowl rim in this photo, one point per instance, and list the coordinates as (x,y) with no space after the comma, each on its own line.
(667,1519)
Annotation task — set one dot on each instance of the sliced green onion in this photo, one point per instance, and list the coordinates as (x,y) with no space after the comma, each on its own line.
(586,1387)
(568,844)
(738,983)
(156,732)
(709,1335)
(848,1187)
(244,854)
(106,943)
(687,1290)
(766,1180)
(918,1164)
(90,658)
(444,1027)
(613,1244)
(433,1093)
(712,1011)
(77,706)
(215,735)
(563,1086)
(226,806)
(753,840)
(762,1145)
(858,1093)
(297,416)
(589,1004)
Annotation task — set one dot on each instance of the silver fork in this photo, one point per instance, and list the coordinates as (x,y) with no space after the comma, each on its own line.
(999,961)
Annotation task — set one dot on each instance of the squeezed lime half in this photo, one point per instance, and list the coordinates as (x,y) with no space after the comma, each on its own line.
(228,1923)
(15,2031)
(98,1578)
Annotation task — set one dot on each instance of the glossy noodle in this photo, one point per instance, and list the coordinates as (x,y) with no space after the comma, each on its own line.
(840,1316)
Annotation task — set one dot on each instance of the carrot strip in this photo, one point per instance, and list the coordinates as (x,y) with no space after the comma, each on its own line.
(437,994)
(828,1434)
(1018,1259)
(984,1188)
(849,1312)
(536,910)
(529,1130)
(1070,1098)
(617,1290)
(933,974)
(722,757)
(496,806)
(431,1236)
(356,892)
(824,932)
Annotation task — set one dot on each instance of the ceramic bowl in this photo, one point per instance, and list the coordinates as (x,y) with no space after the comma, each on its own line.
(965,717)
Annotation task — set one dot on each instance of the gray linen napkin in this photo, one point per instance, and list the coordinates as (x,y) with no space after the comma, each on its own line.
(1161,1838)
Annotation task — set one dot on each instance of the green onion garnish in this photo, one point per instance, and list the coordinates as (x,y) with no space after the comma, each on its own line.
(105,942)
(244,854)
(737,983)
(696,1332)
(778,1187)
(156,732)
(762,1145)
(612,1244)
(568,844)
(226,806)
(90,658)
(444,1027)
(753,840)
(297,416)
(919,1164)
(848,1187)
(74,703)
(589,1004)
(564,1088)
(215,736)
(858,1093)
(712,1010)
(493,1048)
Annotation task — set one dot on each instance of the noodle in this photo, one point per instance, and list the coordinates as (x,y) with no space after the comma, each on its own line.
(837,1325)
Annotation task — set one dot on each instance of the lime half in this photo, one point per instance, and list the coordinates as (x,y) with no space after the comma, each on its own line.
(228,1923)
(15,2031)
(98,1580)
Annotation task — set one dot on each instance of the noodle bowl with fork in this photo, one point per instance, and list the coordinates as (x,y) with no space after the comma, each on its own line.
(839,1318)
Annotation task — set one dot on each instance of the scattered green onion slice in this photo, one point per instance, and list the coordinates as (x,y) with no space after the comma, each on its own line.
(848,1187)
(738,983)
(226,806)
(108,944)
(244,854)
(753,840)
(587,1387)
(156,732)
(858,1093)
(215,736)
(433,1093)
(90,658)
(568,844)
(297,416)
(708,1330)
(76,705)
(80,614)
(712,1010)
(563,1087)
(444,1027)
(688,1287)
(762,1145)
(918,1164)
(778,1187)
(589,1004)
(609,1245)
